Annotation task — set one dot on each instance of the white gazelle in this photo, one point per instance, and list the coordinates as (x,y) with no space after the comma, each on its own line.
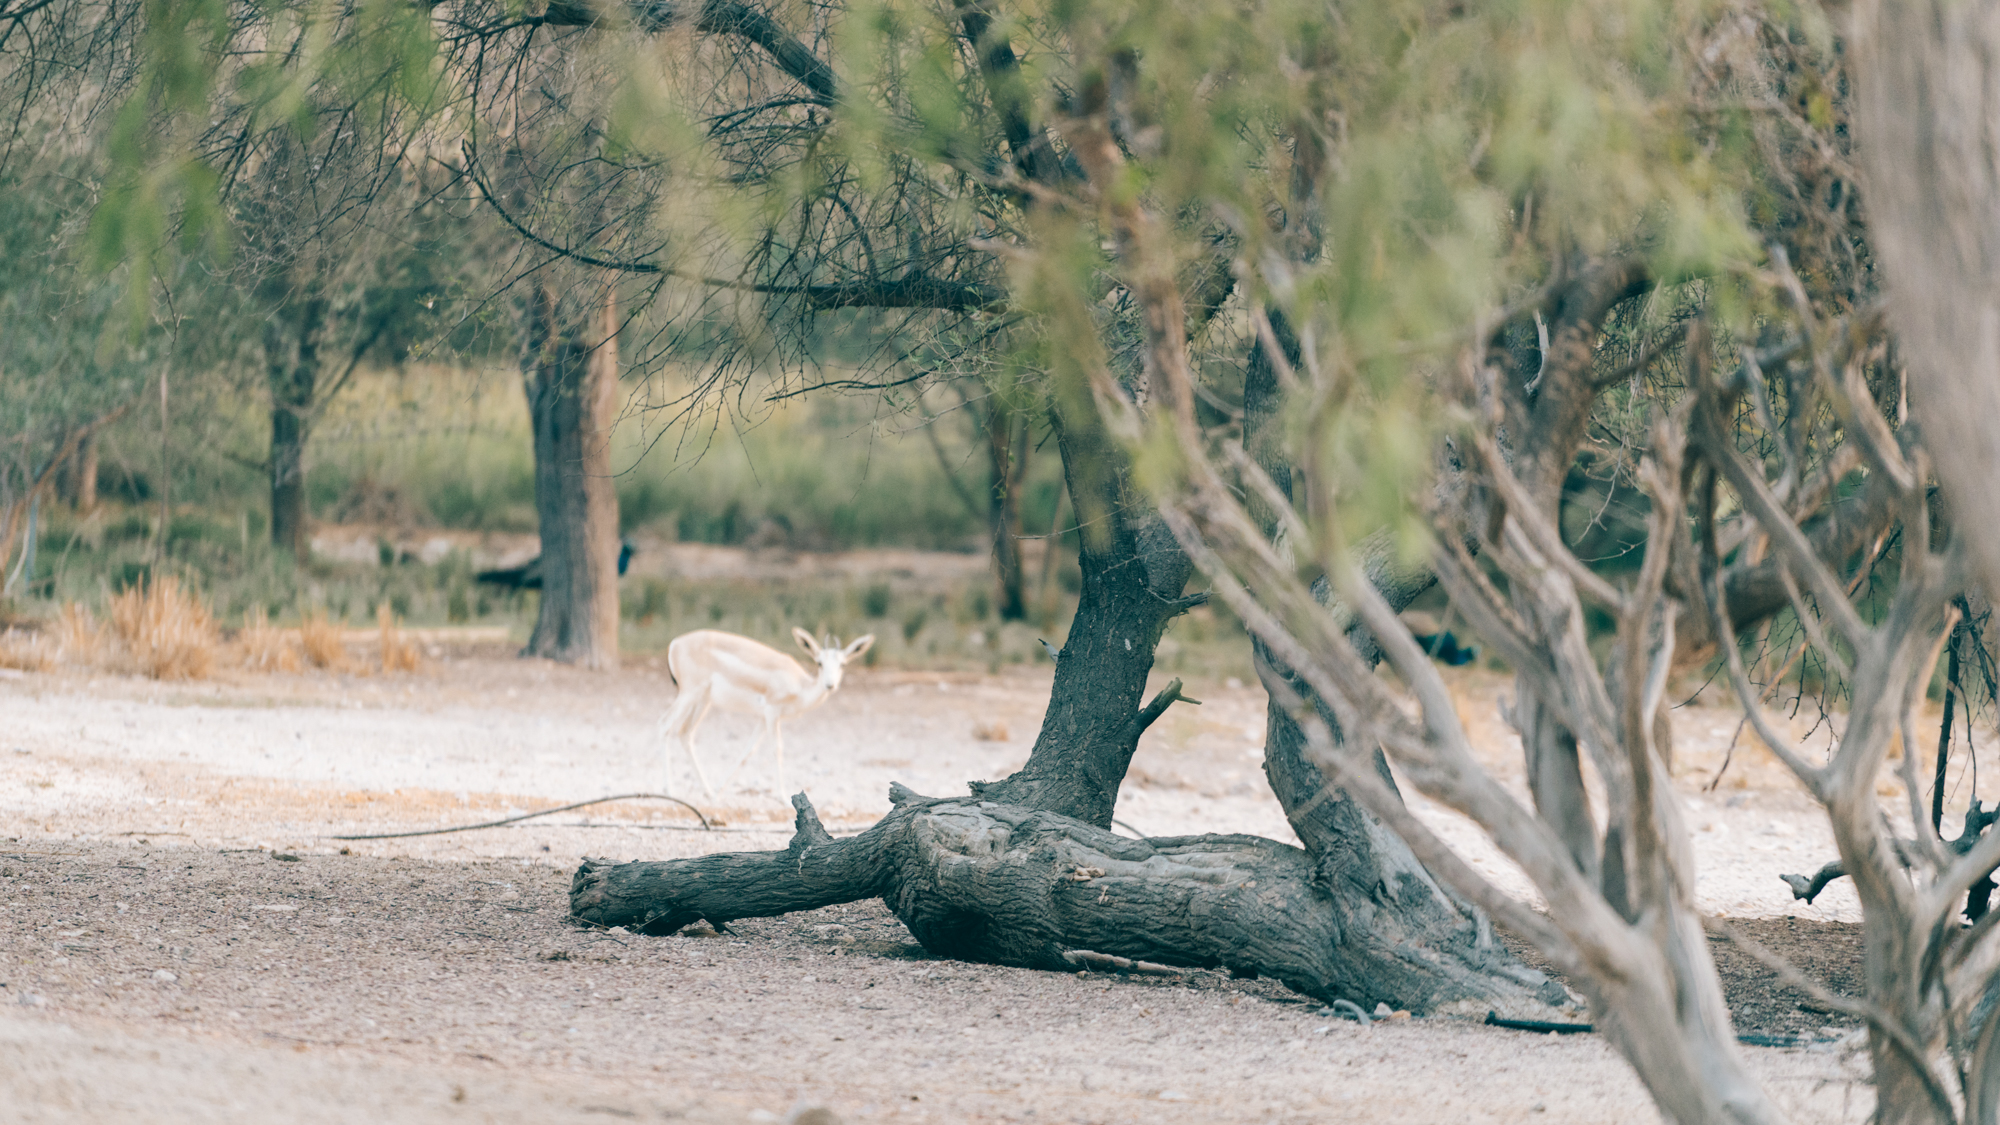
(717,669)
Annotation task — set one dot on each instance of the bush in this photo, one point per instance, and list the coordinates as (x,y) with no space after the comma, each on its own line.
(168,630)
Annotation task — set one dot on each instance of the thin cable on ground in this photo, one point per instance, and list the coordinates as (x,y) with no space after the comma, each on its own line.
(706,826)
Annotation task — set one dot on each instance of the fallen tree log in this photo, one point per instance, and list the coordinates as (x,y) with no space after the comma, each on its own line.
(980,881)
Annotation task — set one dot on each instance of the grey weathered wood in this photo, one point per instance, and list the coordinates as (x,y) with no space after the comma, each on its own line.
(570,371)
(1005,885)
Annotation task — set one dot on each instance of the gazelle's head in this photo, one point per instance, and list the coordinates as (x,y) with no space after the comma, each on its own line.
(830,657)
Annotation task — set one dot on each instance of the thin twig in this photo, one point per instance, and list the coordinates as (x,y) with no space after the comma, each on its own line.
(706,826)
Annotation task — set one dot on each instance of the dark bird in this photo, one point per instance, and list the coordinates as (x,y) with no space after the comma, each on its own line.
(529,575)
(1445,647)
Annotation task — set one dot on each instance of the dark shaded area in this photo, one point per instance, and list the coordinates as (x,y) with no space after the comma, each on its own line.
(528,576)
(1760,1003)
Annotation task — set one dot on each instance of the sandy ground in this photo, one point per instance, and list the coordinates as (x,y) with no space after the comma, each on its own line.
(182,939)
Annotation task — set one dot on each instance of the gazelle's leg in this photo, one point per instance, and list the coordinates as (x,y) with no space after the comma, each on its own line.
(707,702)
(670,734)
(755,744)
(690,707)
(778,737)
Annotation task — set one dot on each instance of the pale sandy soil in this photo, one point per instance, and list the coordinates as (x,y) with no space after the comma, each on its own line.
(161,962)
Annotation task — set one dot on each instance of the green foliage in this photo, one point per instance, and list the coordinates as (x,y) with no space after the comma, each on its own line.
(210,84)
(1392,176)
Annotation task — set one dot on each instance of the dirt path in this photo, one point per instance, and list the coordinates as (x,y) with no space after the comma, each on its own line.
(161,960)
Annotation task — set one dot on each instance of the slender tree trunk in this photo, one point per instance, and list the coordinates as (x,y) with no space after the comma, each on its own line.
(290,526)
(570,370)
(76,483)
(292,370)
(1007,453)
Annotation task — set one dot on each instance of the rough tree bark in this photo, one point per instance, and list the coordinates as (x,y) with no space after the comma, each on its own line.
(1927,128)
(292,372)
(570,370)
(1014,886)
(1007,458)
(76,482)
(1134,574)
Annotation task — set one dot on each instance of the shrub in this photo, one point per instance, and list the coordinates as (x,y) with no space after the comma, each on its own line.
(321,640)
(168,630)
(78,637)
(265,647)
(398,654)
(876,600)
(29,652)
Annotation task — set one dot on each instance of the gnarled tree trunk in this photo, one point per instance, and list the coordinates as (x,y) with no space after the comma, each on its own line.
(1133,577)
(570,371)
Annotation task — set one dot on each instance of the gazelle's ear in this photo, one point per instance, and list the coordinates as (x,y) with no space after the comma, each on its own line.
(859,646)
(805,640)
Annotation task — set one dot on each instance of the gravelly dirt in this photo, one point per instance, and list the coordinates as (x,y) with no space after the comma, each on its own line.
(437,979)
(464,976)
(1760,1002)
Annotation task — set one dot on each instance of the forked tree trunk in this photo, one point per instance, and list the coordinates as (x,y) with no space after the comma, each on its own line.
(1133,577)
(570,370)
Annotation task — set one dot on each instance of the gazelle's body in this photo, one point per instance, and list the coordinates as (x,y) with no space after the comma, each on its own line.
(717,669)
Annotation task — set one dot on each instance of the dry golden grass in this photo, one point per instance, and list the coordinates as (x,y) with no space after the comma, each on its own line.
(168,631)
(29,652)
(265,647)
(79,639)
(321,640)
(398,654)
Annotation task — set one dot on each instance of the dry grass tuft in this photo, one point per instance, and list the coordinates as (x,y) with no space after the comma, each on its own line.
(79,638)
(28,652)
(994,730)
(322,642)
(266,648)
(398,654)
(168,630)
